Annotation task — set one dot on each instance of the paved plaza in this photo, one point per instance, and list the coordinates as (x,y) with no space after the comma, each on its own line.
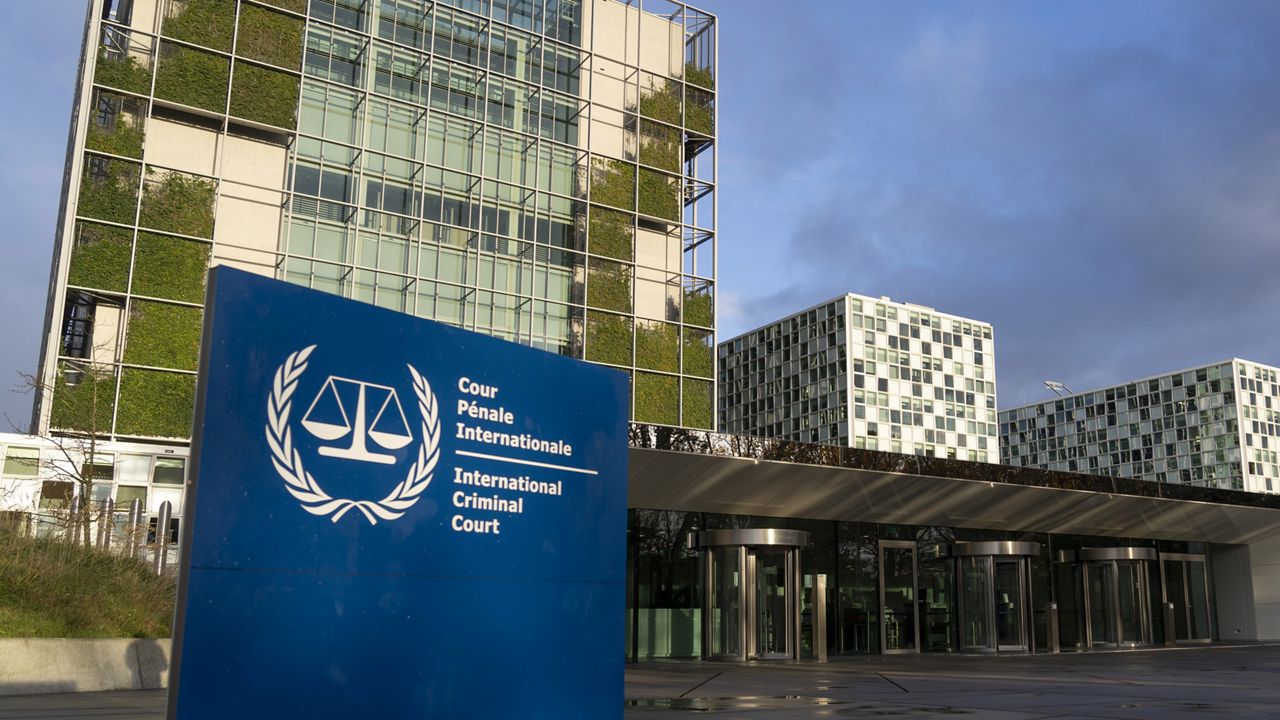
(1234,681)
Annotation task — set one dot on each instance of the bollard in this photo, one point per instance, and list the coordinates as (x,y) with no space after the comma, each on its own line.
(134,531)
(162,537)
(1170,628)
(1051,627)
(73,521)
(107,526)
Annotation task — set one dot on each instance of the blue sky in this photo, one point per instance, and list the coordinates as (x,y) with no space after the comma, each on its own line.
(1099,180)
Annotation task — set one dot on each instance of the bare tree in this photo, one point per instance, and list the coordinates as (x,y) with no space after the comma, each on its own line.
(81,402)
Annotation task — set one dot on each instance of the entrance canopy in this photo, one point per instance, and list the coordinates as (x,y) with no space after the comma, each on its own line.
(705,472)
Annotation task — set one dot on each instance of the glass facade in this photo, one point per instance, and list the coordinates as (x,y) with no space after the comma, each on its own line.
(1212,426)
(538,170)
(865,373)
(889,587)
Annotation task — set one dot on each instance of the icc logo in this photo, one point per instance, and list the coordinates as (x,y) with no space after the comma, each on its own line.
(356,416)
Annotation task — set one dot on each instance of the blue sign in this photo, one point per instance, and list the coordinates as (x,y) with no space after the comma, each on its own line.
(394,518)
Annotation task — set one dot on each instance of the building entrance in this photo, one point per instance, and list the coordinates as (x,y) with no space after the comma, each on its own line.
(1104,597)
(753,601)
(994,595)
(1185,586)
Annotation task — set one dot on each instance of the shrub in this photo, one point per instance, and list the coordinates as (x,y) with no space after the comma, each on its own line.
(609,285)
(170,268)
(661,103)
(269,36)
(192,77)
(203,22)
(163,335)
(109,189)
(697,307)
(611,234)
(100,257)
(87,405)
(657,346)
(264,95)
(697,404)
(124,73)
(659,195)
(613,182)
(699,76)
(608,338)
(698,354)
(657,399)
(659,146)
(178,203)
(155,403)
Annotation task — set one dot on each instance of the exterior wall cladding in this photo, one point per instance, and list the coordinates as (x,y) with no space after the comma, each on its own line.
(867,373)
(539,170)
(1217,425)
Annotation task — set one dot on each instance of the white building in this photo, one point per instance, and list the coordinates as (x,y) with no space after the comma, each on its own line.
(867,373)
(1215,425)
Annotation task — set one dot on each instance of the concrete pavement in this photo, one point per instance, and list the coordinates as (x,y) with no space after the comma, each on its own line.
(1234,681)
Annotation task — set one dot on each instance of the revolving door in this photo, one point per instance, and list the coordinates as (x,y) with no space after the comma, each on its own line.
(994,595)
(1104,597)
(752,602)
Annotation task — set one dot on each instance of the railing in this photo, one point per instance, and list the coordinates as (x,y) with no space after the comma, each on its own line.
(127,533)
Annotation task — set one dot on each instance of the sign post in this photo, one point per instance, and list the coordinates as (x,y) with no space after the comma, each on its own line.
(395,518)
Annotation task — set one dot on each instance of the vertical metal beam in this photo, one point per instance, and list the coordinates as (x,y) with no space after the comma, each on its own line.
(162,537)
(820,617)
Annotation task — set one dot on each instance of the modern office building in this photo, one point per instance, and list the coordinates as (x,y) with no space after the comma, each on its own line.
(1215,425)
(866,373)
(539,170)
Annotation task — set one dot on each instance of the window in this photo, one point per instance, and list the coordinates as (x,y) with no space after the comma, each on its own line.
(170,471)
(126,494)
(22,461)
(55,494)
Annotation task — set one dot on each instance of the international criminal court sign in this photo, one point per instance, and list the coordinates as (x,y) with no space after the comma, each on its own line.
(395,518)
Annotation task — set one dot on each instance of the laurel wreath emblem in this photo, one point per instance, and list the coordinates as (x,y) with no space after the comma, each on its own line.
(303,486)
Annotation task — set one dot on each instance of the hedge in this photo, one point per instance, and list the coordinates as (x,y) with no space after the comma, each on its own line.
(155,403)
(178,203)
(697,404)
(657,346)
(698,355)
(659,195)
(86,406)
(203,22)
(271,37)
(170,268)
(662,104)
(608,338)
(609,285)
(163,335)
(613,182)
(125,73)
(264,95)
(612,234)
(100,257)
(192,77)
(657,399)
(659,146)
(113,195)
(698,76)
(698,115)
(697,307)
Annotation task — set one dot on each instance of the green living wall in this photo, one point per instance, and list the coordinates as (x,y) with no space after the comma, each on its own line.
(171,268)
(100,257)
(155,403)
(178,203)
(163,335)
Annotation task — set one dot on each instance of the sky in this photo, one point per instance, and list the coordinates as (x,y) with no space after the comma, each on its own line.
(1098,180)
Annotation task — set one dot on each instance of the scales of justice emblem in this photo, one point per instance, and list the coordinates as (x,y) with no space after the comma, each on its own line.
(378,420)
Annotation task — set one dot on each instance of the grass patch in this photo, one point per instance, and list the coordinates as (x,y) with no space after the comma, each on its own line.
(51,589)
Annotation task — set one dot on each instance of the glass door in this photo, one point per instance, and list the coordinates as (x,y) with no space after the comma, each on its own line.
(1131,603)
(977,603)
(1010,618)
(1099,591)
(725,599)
(1186,586)
(773,603)
(898,593)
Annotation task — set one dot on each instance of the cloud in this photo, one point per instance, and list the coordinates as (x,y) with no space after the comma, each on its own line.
(1111,204)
